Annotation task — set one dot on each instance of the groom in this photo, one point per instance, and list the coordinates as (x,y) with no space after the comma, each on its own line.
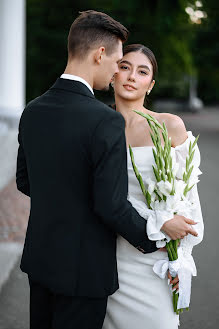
(72,163)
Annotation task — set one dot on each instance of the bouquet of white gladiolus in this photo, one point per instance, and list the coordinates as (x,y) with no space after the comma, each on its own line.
(166,192)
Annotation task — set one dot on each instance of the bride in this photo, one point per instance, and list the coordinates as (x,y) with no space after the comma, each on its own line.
(144,301)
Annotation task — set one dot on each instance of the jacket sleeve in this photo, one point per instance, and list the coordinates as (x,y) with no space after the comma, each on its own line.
(22,180)
(110,184)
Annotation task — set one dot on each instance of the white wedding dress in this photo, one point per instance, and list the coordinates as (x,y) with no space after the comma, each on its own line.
(144,300)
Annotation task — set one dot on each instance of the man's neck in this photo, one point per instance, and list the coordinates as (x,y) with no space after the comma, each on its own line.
(81,70)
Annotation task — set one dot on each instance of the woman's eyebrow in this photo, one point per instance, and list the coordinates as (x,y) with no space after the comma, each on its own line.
(145,67)
(125,62)
(141,66)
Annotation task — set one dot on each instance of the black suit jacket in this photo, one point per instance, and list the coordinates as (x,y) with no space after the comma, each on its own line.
(72,162)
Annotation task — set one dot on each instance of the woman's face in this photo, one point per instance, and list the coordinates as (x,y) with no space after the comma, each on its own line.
(134,78)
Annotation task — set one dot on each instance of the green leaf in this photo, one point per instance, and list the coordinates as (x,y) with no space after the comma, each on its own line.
(156,174)
(191,157)
(149,117)
(190,147)
(161,163)
(185,190)
(153,140)
(173,188)
(187,164)
(156,192)
(142,185)
(189,173)
(169,177)
(148,199)
(133,162)
(166,162)
(195,141)
(156,158)
(165,129)
(189,188)
(164,137)
(170,163)
(150,124)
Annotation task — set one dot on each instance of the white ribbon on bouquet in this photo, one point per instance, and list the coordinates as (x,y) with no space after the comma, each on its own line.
(185,268)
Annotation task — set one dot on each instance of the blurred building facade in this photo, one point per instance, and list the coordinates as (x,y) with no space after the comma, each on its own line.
(12,58)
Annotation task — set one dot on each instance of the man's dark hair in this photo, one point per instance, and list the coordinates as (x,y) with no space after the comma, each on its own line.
(92,29)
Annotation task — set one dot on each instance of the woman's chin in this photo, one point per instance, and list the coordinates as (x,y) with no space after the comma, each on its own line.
(127,95)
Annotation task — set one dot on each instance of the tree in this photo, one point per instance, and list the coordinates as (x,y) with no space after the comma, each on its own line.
(163,26)
(48,23)
(206,53)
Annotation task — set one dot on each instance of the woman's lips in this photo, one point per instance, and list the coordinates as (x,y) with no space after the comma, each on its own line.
(129,87)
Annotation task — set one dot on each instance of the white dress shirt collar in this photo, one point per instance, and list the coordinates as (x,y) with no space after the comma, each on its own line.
(76,78)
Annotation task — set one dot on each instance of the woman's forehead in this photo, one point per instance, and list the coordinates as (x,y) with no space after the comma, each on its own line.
(137,58)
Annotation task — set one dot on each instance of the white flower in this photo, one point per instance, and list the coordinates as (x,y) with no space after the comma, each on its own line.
(194,176)
(159,205)
(184,208)
(151,185)
(172,202)
(164,187)
(179,187)
(153,196)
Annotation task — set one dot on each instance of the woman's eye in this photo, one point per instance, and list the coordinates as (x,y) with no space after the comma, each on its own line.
(123,67)
(143,72)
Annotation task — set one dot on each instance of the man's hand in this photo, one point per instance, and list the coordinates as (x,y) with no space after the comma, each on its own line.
(179,227)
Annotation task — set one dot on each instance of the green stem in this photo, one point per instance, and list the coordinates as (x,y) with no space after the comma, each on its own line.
(170,255)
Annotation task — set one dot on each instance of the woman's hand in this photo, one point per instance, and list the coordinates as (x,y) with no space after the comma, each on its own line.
(174,282)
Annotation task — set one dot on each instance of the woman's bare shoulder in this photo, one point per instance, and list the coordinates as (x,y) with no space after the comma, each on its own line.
(175,127)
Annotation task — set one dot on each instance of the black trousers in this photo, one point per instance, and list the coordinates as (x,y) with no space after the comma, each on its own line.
(54,311)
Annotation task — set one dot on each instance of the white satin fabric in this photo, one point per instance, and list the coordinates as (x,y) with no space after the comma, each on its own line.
(144,300)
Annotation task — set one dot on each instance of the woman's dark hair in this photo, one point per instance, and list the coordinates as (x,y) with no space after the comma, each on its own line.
(92,29)
(144,50)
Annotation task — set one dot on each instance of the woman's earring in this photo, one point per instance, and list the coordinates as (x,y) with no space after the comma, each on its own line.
(148,92)
(112,84)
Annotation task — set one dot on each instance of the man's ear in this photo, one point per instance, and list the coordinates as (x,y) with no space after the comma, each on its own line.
(112,81)
(98,54)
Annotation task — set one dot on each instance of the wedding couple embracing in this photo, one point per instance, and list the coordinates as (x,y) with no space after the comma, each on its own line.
(87,254)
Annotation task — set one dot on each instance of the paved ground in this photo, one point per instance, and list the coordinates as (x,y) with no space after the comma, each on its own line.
(14,302)
(14,212)
(14,206)
(204,312)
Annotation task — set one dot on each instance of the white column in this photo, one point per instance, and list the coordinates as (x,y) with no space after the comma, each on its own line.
(12,57)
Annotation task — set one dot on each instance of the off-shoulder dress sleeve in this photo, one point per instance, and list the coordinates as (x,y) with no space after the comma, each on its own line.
(195,213)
